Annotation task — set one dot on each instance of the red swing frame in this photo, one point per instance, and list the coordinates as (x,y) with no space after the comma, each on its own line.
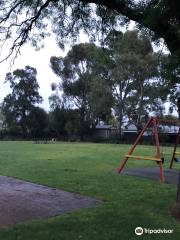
(154,123)
(175,148)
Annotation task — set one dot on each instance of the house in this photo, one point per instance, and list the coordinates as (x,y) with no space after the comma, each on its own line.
(130,128)
(102,131)
(1,124)
(168,133)
(105,131)
(129,132)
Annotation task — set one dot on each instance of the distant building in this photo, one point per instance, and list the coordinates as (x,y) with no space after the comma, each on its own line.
(102,131)
(130,128)
(130,132)
(1,124)
(169,129)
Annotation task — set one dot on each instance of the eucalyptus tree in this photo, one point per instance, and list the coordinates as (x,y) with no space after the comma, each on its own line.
(23,21)
(85,82)
(17,105)
(136,82)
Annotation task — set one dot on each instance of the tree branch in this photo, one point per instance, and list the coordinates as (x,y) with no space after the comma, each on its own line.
(13,21)
(159,25)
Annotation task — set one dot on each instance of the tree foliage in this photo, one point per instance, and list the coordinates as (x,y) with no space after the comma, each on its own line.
(17,106)
(85,82)
(135,75)
(27,19)
(38,123)
(64,123)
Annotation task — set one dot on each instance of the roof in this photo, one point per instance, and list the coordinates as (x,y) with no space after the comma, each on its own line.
(130,127)
(105,126)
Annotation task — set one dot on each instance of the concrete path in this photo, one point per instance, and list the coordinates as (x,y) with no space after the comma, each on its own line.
(171,175)
(21,201)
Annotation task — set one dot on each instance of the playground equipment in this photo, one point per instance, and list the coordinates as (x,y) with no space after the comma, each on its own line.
(175,152)
(159,158)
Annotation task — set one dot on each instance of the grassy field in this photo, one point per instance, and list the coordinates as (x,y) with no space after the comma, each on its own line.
(89,169)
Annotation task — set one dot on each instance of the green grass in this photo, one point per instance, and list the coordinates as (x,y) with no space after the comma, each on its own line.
(89,169)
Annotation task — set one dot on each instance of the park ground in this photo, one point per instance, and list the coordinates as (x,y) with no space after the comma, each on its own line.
(88,169)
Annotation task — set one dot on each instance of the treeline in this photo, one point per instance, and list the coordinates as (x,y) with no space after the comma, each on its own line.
(61,124)
(23,119)
(123,81)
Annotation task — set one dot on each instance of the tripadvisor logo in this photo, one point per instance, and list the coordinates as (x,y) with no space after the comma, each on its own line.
(139,231)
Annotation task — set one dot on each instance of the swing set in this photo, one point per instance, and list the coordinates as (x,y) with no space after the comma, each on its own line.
(159,158)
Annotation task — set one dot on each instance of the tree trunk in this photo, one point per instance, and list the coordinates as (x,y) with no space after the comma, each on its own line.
(140,109)
(178,190)
(24,123)
(120,122)
(82,124)
(120,128)
(178,107)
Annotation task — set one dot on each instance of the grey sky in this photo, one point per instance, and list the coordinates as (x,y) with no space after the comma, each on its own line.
(39,60)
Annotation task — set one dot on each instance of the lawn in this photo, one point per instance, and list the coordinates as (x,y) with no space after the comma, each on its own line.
(88,169)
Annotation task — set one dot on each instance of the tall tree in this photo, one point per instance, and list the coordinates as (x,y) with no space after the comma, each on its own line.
(85,82)
(174,98)
(17,106)
(136,83)
(22,21)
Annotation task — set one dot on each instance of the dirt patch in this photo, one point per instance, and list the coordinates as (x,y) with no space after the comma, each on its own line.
(21,201)
(171,175)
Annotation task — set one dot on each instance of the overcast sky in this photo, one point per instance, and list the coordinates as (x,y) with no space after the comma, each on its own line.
(39,60)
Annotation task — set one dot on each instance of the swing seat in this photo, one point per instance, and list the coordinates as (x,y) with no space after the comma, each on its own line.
(177,153)
(144,157)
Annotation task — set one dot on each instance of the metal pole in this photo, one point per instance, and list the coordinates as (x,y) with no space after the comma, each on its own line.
(178,190)
(134,145)
(175,147)
(155,130)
